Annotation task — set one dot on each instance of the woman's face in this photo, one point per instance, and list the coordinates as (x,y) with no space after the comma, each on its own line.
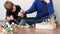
(47,1)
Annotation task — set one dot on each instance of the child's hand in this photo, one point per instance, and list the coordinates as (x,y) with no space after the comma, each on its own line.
(1,20)
(11,17)
(8,18)
(21,13)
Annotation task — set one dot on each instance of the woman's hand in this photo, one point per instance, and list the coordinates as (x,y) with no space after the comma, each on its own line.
(47,1)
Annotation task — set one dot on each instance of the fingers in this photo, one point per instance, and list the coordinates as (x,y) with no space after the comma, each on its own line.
(11,17)
(22,13)
(8,18)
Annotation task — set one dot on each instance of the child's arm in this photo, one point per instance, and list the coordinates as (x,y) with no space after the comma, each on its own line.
(8,18)
(21,13)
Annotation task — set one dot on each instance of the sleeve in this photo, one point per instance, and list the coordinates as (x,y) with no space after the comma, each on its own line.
(18,8)
(50,8)
(32,9)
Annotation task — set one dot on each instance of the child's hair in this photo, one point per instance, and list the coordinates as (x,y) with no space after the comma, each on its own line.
(8,5)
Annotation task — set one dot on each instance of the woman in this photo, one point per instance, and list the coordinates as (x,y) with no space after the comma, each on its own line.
(43,7)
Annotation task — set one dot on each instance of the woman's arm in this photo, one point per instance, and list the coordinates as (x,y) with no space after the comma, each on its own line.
(33,8)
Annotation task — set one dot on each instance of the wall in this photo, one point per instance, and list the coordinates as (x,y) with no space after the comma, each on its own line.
(57,9)
(2,10)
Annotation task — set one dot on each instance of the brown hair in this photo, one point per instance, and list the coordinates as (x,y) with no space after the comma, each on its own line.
(8,5)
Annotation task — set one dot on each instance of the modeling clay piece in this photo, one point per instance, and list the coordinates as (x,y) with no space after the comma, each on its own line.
(22,23)
(1,28)
(8,30)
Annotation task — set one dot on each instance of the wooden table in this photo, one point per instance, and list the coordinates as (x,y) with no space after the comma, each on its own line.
(38,31)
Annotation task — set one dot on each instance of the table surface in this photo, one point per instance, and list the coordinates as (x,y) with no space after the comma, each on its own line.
(38,31)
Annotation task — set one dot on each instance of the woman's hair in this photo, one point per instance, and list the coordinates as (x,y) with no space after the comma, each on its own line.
(8,5)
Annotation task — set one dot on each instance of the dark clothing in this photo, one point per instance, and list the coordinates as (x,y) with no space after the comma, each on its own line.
(15,14)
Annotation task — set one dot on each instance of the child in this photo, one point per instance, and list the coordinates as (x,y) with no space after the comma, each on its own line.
(12,12)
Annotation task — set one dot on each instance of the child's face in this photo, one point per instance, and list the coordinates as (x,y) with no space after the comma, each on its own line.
(14,9)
